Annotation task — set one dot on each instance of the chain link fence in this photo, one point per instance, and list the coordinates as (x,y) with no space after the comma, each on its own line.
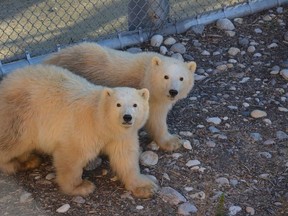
(38,26)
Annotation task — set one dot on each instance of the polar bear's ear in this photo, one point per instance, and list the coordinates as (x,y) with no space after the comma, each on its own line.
(192,66)
(156,61)
(107,92)
(144,93)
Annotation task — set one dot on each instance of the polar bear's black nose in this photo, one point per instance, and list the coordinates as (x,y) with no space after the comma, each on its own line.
(173,92)
(127,118)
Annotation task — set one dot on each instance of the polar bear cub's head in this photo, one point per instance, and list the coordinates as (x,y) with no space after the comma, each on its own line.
(170,78)
(126,107)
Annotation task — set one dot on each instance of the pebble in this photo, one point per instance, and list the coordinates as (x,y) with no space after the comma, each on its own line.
(251,49)
(257,55)
(222,67)
(272,45)
(233,107)
(153,146)
(210,143)
(166,176)
(177,56)
(50,176)
(139,207)
(233,182)
(188,189)
(169,41)
(286,165)
(281,135)
(258,30)
(275,70)
(222,181)
(134,50)
(279,10)
(78,199)
(163,50)
(214,120)
(186,133)
(266,155)
(244,42)
(233,51)
(187,145)
(148,158)
(213,129)
(238,20)
(186,209)
(267,18)
(199,77)
(225,24)
(188,57)
(93,164)
(246,104)
(198,29)
(284,73)
(192,163)
(258,114)
(264,176)
(205,53)
(233,210)
(156,40)
(250,210)
(216,53)
(199,195)
(282,109)
(171,196)
(286,36)
(256,137)
(269,142)
(230,33)
(178,48)
(26,197)
(176,155)
(64,208)
(284,64)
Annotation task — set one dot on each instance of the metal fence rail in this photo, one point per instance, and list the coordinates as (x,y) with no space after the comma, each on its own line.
(37,27)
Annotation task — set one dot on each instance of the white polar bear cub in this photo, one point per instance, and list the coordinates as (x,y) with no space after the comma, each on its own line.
(49,109)
(167,79)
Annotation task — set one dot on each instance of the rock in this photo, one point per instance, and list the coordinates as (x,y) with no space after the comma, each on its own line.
(225,24)
(134,50)
(246,104)
(210,143)
(275,70)
(191,163)
(205,53)
(163,50)
(188,57)
(257,55)
(244,42)
(238,20)
(256,137)
(286,36)
(171,196)
(233,210)
(258,114)
(272,45)
(26,197)
(282,109)
(251,49)
(64,208)
(156,40)
(78,199)
(281,135)
(199,77)
(284,73)
(166,176)
(279,10)
(267,18)
(178,56)
(198,29)
(153,146)
(200,195)
(265,155)
(186,133)
(178,48)
(139,207)
(169,41)
(233,182)
(50,176)
(214,120)
(187,145)
(148,158)
(233,51)
(222,181)
(250,210)
(93,164)
(176,155)
(186,209)
(222,67)
(213,129)
(233,107)
(258,31)
(188,189)
(230,33)
(284,64)
(264,176)
(269,142)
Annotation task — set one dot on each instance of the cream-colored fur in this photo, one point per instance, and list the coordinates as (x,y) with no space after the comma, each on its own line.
(49,109)
(157,73)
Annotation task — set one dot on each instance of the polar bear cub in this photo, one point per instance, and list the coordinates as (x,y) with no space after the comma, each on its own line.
(167,79)
(49,109)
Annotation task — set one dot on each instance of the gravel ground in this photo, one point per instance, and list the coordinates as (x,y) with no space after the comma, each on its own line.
(235,159)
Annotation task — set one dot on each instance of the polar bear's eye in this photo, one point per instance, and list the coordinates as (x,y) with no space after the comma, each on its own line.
(118,105)
(134,105)
(166,77)
(181,78)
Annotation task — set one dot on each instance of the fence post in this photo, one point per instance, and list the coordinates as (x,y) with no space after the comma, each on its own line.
(147,14)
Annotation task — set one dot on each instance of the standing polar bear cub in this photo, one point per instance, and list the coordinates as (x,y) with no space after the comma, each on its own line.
(167,79)
(49,109)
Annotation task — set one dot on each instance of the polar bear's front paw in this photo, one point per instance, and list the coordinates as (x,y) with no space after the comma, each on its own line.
(146,188)
(173,143)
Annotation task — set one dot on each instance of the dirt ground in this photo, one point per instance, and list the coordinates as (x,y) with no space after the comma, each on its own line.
(248,152)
